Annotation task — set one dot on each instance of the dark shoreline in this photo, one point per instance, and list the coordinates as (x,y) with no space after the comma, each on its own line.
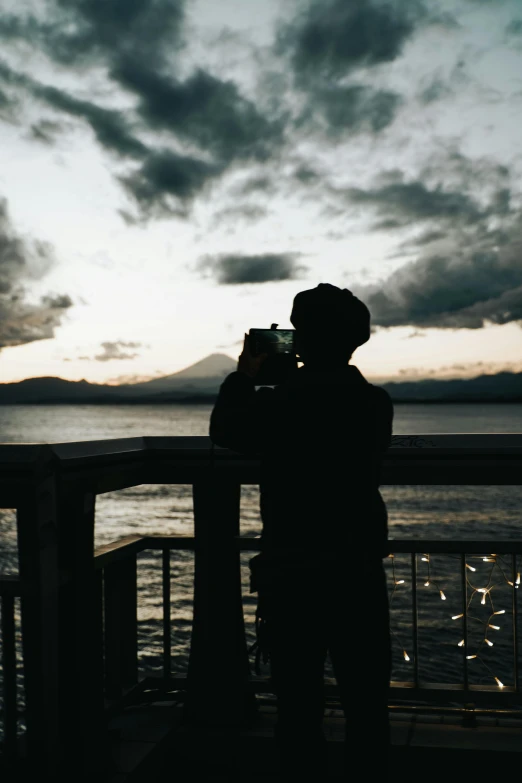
(200,400)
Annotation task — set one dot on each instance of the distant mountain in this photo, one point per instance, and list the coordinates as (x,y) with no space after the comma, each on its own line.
(201,381)
(502,387)
(207,374)
(44,390)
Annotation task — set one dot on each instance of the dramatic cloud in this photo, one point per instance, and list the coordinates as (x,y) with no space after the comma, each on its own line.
(83,32)
(21,259)
(331,38)
(239,269)
(398,203)
(165,175)
(241,213)
(45,131)
(465,290)
(350,109)
(116,350)
(435,91)
(204,110)
(514,28)
(462,242)
(162,184)
(137,42)
(8,105)
(109,126)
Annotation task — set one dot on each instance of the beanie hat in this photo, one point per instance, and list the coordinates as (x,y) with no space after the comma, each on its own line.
(328,307)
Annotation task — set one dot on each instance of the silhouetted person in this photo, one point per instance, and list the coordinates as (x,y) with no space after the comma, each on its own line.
(320,578)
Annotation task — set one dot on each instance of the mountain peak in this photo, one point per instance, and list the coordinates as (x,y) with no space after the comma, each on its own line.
(209,371)
(214,365)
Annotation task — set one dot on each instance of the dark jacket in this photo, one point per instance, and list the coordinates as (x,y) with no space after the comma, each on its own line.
(321,437)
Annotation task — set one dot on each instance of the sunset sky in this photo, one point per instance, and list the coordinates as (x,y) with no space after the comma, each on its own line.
(173,172)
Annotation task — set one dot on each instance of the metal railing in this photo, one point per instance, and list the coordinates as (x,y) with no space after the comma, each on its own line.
(79,611)
(117,561)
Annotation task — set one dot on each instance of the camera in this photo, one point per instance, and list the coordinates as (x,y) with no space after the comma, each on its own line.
(281,360)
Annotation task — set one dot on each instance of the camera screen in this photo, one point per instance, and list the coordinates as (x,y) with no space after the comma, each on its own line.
(273,340)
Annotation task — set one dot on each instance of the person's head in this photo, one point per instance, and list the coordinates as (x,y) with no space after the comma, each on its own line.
(330,324)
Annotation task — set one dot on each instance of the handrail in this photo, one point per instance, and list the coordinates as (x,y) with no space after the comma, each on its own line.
(414,689)
(64,591)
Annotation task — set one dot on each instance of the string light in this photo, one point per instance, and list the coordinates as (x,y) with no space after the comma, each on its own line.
(397,582)
(429,580)
(496,562)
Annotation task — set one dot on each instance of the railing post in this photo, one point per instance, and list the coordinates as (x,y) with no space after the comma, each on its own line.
(121,626)
(165,582)
(81,664)
(8,660)
(218,671)
(38,564)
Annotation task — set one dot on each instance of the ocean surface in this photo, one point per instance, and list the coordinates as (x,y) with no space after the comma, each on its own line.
(486,513)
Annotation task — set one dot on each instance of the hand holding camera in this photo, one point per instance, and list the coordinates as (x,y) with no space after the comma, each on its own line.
(249,363)
(268,355)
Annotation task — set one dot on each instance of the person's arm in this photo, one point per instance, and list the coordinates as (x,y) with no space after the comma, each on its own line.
(384,419)
(241,415)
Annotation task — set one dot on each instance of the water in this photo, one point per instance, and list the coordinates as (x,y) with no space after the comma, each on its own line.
(417,512)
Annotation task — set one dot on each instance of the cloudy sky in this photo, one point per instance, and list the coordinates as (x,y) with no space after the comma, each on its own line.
(173,172)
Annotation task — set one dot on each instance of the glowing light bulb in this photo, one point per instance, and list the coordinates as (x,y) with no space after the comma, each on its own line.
(470,567)
(425,559)
(488,559)
(426,584)
(483,599)
(500,684)
(469,657)
(443,597)
(457,616)
(488,642)
(500,611)
(482,589)
(406,656)
(461,643)
(495,627)
(399,582)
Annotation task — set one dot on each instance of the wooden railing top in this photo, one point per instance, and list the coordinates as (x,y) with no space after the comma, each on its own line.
(109,465)
(202,446)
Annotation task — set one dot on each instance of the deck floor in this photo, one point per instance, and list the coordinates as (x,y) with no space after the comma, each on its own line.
(154,746)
